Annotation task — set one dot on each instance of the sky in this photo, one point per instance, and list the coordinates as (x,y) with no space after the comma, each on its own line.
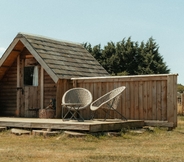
(99,22)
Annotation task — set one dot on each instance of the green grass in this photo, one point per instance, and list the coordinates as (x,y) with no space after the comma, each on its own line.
(158,145)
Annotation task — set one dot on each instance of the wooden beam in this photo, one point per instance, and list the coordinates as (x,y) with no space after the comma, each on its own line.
(18,85)
(8,51)
(155,123)
(59,93)
(14,50)
(172,99)
(129,78)
(41,87)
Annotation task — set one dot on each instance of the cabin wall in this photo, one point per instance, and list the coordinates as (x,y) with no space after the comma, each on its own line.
(149,97)
(36,97)
(25,101)
(62,86)
(49,89)
(8,92)
(9,99)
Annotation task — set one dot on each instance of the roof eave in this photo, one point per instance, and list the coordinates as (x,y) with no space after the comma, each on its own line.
(8,51)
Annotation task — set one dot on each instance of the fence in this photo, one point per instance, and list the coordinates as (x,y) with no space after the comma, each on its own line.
(180,102)
(146,97)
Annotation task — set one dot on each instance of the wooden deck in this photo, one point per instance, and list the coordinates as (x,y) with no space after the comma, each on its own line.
(59,124)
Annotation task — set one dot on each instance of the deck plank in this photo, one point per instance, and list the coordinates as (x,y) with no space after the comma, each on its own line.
(87,125)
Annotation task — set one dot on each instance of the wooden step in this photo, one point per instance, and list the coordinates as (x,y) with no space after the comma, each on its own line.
(51,133)
(20,131)
(116,134)
(44,133)
(74,134)
(3,129)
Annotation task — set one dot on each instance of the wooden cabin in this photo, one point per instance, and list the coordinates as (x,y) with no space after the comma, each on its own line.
(35,70)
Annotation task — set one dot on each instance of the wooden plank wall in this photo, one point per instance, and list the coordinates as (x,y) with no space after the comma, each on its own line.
(49,89)
(180,106)
(62,86)
(54,90)
(146,97)
(8,92)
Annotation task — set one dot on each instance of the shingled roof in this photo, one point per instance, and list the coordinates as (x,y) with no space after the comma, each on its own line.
(61,59)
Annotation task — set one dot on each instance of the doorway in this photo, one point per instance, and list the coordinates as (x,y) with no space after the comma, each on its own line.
(28,89)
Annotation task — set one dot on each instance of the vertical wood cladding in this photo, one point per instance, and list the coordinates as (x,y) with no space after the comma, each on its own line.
(49,89)
(146,97)
(8,92)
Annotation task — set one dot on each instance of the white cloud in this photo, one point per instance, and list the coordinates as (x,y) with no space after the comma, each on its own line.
(2,50)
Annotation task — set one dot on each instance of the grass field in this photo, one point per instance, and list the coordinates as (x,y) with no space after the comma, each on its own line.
(151,146)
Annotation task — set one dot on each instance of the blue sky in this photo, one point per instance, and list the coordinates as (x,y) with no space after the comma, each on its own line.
(99,22)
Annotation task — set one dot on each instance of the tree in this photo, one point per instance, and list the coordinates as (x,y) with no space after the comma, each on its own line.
(88,47)
(180,88)
(128,57)
(110,60)
(155,60)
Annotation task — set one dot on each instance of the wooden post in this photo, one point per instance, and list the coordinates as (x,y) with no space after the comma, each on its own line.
(59,93)
(172,99)
(41,88)
(74,83)
(18,85)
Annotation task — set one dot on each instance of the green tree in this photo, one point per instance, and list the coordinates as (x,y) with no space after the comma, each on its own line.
(155,61)
(97,53)
(129,58)
(110,60)
(88,47)
(180,88)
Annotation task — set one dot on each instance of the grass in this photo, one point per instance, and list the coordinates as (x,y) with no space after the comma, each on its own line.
(158,145)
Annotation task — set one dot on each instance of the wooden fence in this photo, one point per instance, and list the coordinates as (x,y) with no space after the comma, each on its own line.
(180,102)
(146,97)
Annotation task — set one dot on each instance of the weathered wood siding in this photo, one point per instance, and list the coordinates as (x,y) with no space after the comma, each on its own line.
(146,97)
(62,86)
(49,89)
(8,92)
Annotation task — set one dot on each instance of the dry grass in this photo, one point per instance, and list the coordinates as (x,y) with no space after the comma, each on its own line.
(160,145)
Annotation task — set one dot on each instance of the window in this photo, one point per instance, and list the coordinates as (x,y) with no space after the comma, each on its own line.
(31,75)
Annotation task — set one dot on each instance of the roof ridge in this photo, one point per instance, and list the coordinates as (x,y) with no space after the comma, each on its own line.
(45,37)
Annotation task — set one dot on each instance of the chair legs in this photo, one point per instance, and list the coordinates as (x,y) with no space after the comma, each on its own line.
(93,115)
(107,113)
(72,114)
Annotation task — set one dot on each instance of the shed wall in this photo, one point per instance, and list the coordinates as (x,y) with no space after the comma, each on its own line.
(62,86)
(149,97)
(49,89)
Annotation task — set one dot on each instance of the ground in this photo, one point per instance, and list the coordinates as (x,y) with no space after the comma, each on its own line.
(153,144)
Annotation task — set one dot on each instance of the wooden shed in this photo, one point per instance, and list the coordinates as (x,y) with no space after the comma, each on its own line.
(36,69)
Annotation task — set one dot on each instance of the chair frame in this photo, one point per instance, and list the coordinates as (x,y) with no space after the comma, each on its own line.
(74,103)
(108,102)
